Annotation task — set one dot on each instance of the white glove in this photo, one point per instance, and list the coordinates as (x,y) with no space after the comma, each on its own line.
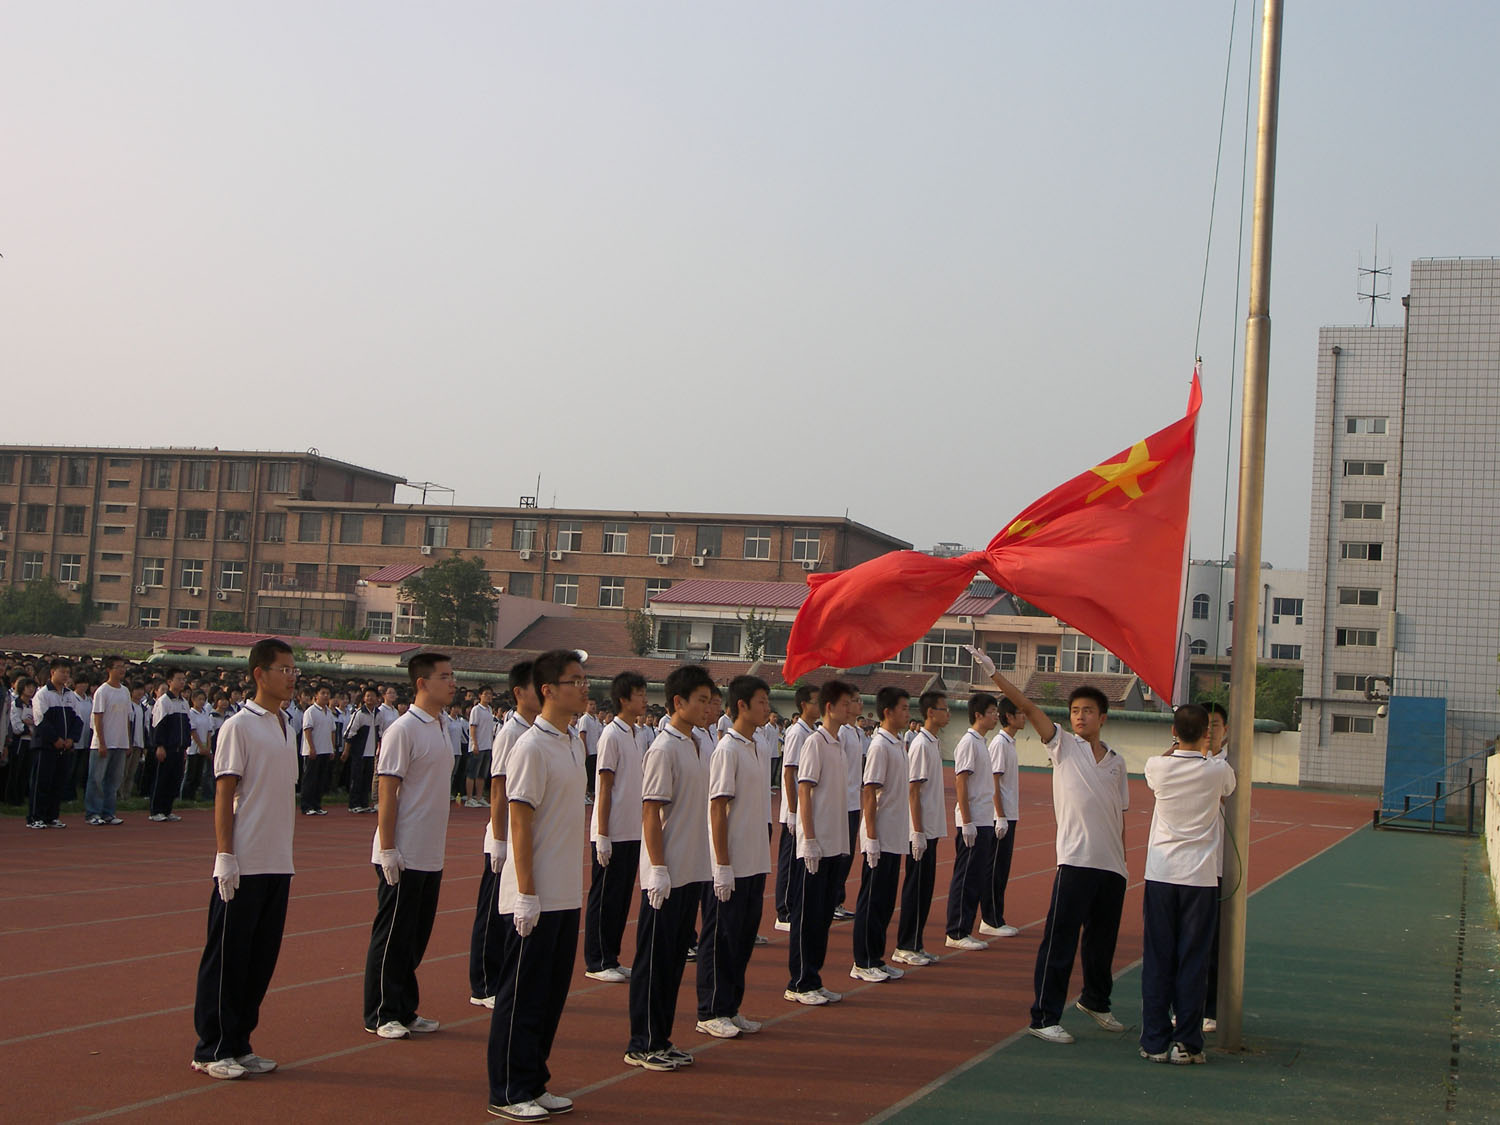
(970,834)
(658,886)
(528,910)
(603,849)
(871,849)
(918,845)
(723,881)
(227,874)
(810,852)
(495,849)
(984,663)
(391,865)
(1002,826)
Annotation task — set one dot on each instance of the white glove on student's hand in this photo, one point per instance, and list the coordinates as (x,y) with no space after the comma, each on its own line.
(658,886)
(391,865)
(528,910)
(810,852)
(496,850)
(723,881)
(603,849)
(983,662)
(1002,826)
(970,834)
(918,845)
(227,874)
(871,848)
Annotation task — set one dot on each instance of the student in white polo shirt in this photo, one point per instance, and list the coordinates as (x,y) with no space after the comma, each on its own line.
(415,770)
(1090,793)
(481,743)
(883,836)
(317,750)
(739,806)
(111,719)
(359,750)
(805,699)
(589,729)
(256,767)
(487,938)
(1218,747)
(852,739)
(616,829)
(822,836)
(674,868)
(1006,764)
(924,769)
(974,822)
(1181,894)
(541,893)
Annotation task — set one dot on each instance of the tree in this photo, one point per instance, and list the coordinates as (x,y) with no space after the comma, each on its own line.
(755,636)
(456,598)
(226,621)
(39,606)
(641,626)
(1276,692)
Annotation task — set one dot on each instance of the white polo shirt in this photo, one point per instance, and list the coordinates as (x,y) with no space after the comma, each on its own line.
(885,768)
(972,757)
(766,742)
(113,705)
(457,731)
(317,731)
(416,750)
(1184,844)
(737,771)
(822,762)
(675,775)
(924,763)
(853,743)
(622,749)
(257,748)
(201,723)
(1004,762)
(385,718)
(1089,800)
(482,728)
(790,759)
(1222,754)
(505,738)
(589,730)
(546,772)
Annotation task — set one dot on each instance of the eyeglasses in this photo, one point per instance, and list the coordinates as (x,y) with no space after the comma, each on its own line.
(579,681)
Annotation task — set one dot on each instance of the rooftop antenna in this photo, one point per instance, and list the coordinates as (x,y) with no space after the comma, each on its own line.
(1375,273)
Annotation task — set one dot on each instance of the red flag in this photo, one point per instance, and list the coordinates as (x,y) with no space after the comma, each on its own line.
(1104,552)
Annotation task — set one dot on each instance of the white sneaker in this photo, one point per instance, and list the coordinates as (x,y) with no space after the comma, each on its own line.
(554,1103)
(390,1030)
(965,943)
(612,976)
(483,1002)
(158,817)
(831,997)
(997,931)
(220,1068)
(720,1027)
(520,1111)
(254,1064)
(1054,1034)
(811,999)
(908,957)
(1181,1056)
(872,975)
(892,973)
(1210,1025)
(784,927)
(1106,1020)
(748,1026)
(423,1026)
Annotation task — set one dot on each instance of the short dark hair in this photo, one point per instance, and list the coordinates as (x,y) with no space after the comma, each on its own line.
(742,689)
(1092,694)
(424,664)
(58,662)
(1008,710)
(170,672)
(264,652)
(887,698)
(1190,722)
(520,675)
(683,681)
(623,686)
(804,695)
(111,661)
(979,703)
(832,692)
(930,699)
(550,666)
(1216,709)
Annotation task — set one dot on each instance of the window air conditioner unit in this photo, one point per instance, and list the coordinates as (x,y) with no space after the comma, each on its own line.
(2,535)
(697,560)
(75,586)
(140,589)
(196,591)
(427,548)
(966,621)
(525,555)
(221,595)
(810,564)
(555,556)
(663,559)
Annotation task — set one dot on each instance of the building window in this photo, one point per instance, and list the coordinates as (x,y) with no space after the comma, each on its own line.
(523,535)
(903,660)
(777,637)
(278,476)
(410,620)
(195,524)
(1358,595)
(656,586)
(1363,510)
(611,593)
(232,576)
(381,625)
(237,476)
(570,536)
(192,574)
(4,517)
(1081,654)
(1364,468)
(70,568)
(663,539)
(116,483)
(1353,724)
(1286,652)
(38,469)
(310,527)
(674,636)
(199,476)
(108,577)
(1198,648)
(307,576)
(1286,607)
(1354,425)
(36,517)
(806,544)
(565,589)
(435,532)
(1356,638)
(149,618)
(521,584)
(234,527)
(710,542)
(158,473)
(727,640)
(943,652)
(189,618)
(271,576)
(615,536)
(757,542)
(1003,653)
(481,534)
(153,572)
(112,556)
(346,579)
(156,523)
(33,565)
(7,468)
(1347,681)
(392,531)
(1046,658)
(1200,607)
(78,471)
(351,528)
(2,566)
(73,518)
(1365,552)
(113,529)
(275,527)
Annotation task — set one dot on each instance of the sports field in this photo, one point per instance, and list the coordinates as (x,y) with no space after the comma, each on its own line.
(1351,999)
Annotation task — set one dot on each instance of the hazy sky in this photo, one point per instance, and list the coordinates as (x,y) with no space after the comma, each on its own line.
(919,261)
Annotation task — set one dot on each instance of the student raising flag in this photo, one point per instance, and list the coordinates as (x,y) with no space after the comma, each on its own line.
(1104,552)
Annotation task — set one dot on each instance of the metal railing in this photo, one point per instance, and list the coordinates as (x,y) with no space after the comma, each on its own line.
(1451,783)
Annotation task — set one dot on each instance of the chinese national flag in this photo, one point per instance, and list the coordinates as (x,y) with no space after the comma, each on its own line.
(1104,552)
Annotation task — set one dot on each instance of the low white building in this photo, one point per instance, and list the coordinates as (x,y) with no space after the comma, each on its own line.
(1209,620)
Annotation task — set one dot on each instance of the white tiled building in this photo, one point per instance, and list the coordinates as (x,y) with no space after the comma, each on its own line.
(1210,611)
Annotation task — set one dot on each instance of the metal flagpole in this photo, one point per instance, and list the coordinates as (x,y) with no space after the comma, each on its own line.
(1247,540)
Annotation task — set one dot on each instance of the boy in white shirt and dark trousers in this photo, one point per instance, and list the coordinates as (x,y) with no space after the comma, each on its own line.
(853,742)
(674,870)
(822,837)
(805,699)
(174,733)
(974,821)
(541,893)
(256,767)
(111,716)
(883,837)
(317,749)
(739,803)
(1006,764)
(924,767)
(1090,793)
(411,835)
(58,730)
(359,750)
(621,749)
(1182,898)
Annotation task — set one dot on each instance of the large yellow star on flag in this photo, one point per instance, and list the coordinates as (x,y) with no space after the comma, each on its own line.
(1125,475)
